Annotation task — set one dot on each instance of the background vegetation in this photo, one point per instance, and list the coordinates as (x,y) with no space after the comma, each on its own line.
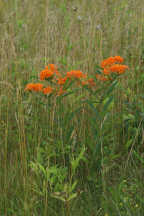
(55,159)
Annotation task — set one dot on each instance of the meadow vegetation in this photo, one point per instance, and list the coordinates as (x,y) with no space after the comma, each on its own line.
(71,108)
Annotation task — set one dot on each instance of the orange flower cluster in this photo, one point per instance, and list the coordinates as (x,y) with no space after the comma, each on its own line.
(61,81)
(59,84)
(50,73)
(111,60)
(76,74)
(34,87)
(111,65)
(120,69)
(47,90)
(46,73)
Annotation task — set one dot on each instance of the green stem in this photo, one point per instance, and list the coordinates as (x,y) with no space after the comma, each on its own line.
(67,208)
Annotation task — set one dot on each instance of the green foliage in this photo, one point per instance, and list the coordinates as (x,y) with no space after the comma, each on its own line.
(80,153)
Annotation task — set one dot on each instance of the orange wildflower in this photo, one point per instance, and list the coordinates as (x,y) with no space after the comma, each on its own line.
(107,62)
(34,87)
(111,65)
(118,68)
(49,72)
(54,69)
(61,81)
(75,74)
(29,86)
(47,90)
(45,74)
(118,59)
(111,60)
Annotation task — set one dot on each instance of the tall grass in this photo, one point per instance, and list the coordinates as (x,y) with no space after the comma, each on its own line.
(51,163)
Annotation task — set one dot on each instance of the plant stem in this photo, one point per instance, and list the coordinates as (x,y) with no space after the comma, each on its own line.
(67,208)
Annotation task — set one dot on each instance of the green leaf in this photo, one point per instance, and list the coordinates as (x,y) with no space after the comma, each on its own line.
(72,196)
(75,162)
(138,157)
(68,93)
(73,186)
(108,102)
(42,169)
(129,143)
(58,197)
(98,71)
(69,133)
(72,114)
(94,109)
(110,89)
